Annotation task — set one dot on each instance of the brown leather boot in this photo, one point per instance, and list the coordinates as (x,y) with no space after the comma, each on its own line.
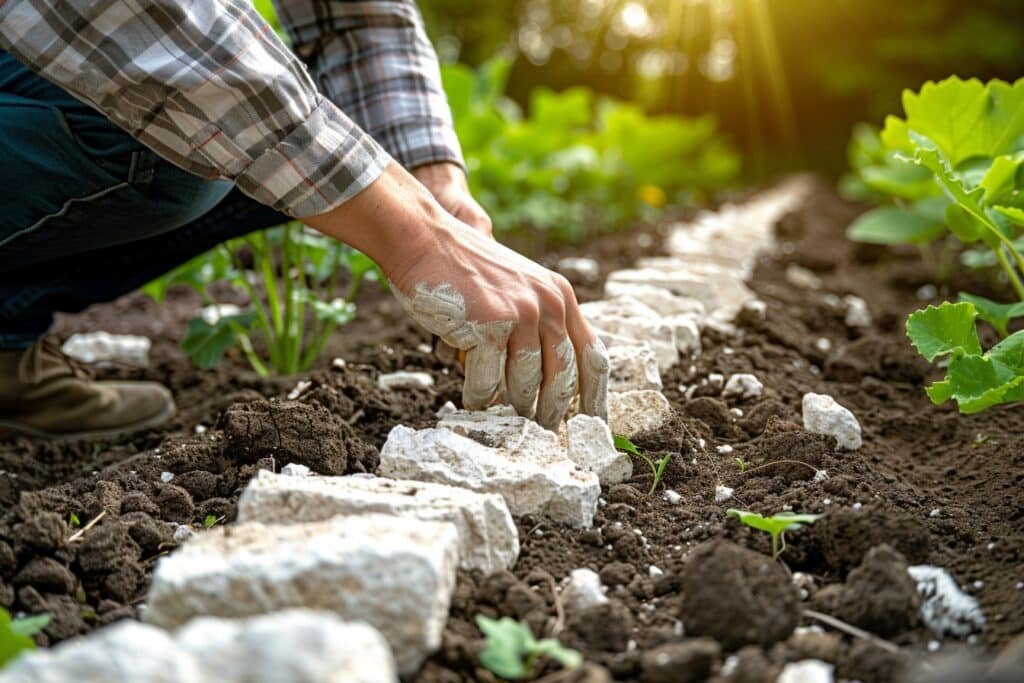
(45,393)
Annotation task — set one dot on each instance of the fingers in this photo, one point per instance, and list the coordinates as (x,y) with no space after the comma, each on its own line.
(485,365)
(593,364)
(525,372)
(560,379)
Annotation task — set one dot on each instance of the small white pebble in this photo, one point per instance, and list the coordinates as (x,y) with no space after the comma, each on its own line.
(424,348)
(166,476)
(672,498)
(724,449)
(927,292)
(820,476)
(857,506)
(727,351)
(339,363)
(738,412)
(631,645)
(182,533)
(826,501)
(654,572)
(823,344)
(299,389)
(538,533)
(677,628)
(935,513)
(1019,585)
(722,493)
(200,429)
(978,585)
(934,645)
(702,443)
(991,545)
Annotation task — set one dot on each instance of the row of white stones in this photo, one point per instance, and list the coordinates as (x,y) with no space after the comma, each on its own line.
(260,600)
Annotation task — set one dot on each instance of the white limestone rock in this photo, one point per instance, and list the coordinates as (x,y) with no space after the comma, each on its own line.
(743,386)
(488,539)
(626,320)
(591,446)
(511,456)
(634,412)
(290,646)
(633,368)
(583,590)
(103,347)
(659,300)
(680,284)
(394,573)
(857,314)
(405,380)
(945,609)
(807,671)
(578,269)
(293,469)
(126,652)
(822,415)
(212,314)
(687,329)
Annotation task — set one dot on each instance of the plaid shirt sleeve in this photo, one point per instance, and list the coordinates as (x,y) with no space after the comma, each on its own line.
(207,85)
(373,59)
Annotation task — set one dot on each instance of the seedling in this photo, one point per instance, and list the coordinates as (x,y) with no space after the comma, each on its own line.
(777,525)
(74,521)
(657,466)
(16,634)
(513,653)
(209,521)
(741,463)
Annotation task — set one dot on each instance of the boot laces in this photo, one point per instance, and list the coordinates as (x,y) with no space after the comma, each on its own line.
(48,350)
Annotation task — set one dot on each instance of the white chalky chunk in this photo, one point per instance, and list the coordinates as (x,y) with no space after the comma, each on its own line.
(723,493)
(627,320)
(946,609)
(212,314)
(583,590)
(126,652)
(293,469)
(857,313)
(672,497)
(529,469)
(405,380)
(687,331)
(807,671)
(822,415)
(591,446)
(634,412)
(103,347)
(632,368)
(661,301)
(682,284)
(488,539)
(801,277)
(291,646)
(394,573)
(744,386)
(579,269)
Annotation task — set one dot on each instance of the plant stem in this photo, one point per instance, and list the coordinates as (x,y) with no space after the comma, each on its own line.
(262,321)
(1010,273)
(266,258)
(289,301)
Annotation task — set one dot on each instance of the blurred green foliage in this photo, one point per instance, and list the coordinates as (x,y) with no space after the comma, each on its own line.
(575,164)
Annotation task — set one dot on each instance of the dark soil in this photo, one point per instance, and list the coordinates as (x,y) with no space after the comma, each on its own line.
(927,486)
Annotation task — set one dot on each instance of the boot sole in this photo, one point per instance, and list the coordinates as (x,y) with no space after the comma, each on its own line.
(9,428)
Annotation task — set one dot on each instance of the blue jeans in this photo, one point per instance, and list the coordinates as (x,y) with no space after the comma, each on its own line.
(98,214)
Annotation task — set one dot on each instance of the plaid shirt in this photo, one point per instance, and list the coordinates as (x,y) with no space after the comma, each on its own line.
(208,85)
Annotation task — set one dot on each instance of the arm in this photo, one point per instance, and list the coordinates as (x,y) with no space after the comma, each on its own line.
(373,59)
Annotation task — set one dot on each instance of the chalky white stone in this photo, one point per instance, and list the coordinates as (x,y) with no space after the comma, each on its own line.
(394,573)
(659,300)
(807,671)
(801,277)
(822,415)
(583,590)
(945,609)
(632,368)
(634,412)
(290,646)
(521,461)
(126,652)
(857,313)
(591,446)
(687,329)
(626,320)
(405,380)
(743,385)
(488,539)
(103,347)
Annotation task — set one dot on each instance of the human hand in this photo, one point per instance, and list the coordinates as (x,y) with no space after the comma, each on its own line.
(447,182)
(516,320)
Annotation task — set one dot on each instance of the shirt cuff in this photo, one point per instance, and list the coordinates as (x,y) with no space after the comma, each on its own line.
(420,143)
(320,164)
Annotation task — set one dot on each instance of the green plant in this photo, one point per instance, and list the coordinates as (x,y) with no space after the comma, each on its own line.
(291,288)
(512,651)
(776,526)
(16,634)
(657,467)
(209,521)
(73,520)
(742,464)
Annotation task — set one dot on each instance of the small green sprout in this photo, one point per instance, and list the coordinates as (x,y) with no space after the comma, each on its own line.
(657,466)
(777,525)
(513,653)
(741,463)
(209,521)
(74,521)
(16,634)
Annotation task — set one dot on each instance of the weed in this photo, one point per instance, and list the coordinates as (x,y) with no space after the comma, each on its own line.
(657,467)
(73,521)
(16,634)
(209,521)
(741,463)
(512,651)
(776,526)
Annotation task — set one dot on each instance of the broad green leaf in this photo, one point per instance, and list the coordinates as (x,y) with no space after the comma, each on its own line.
(774,525)
(1010,352)
(977,383)
(963,224)
(1014,214)
(945,329)
(970,218)
(508,642)
(205,343)
(1002,183)
(900,179)
(996,314)
(896,225)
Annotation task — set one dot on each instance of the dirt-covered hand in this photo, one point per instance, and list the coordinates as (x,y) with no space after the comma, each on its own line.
(517,321)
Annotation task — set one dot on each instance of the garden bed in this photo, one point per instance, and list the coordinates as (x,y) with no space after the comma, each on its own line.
(940,488)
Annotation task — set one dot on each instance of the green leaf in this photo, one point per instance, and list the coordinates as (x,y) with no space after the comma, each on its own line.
(508,641)
(15,635)
(624,444)
(945,329)
(209,521)
(896,225)
(1002,181)
(996,314)
(205,343)
(774,525)
(568,658)
(977,382)
(29,626)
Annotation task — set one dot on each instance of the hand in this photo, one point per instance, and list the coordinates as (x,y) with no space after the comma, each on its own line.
(517,321)
(447,182)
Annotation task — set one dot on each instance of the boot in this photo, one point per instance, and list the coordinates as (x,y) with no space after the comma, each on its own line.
(44,393)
